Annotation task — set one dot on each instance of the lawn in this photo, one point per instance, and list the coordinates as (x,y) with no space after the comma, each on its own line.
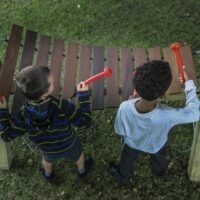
(129,23)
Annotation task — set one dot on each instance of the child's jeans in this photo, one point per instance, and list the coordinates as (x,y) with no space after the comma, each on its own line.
(129,155)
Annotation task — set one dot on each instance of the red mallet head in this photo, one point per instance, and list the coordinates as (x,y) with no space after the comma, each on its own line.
(175,46)
(107,71)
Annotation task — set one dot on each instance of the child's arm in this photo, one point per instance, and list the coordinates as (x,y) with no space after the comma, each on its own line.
(80,117)
(191,112)
(186,76)
(10,126)
(119,124)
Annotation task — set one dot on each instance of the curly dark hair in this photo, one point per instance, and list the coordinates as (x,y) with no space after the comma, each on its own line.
(33,81)
(152,79)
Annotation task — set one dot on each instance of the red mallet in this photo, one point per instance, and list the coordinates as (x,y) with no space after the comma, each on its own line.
(107,72)
(176,47)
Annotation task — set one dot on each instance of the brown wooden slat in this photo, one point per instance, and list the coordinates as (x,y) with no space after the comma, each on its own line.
(188,61)
(27,59)
(154,53)
(84,62)
(43,52)
(70,70)
(8,68)
(112,88)
(175,86)
(140,56)
(127,73)
(56,63)
(0,66)
(98,86)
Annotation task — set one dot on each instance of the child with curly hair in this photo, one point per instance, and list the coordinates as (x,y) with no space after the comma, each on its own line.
(144,123)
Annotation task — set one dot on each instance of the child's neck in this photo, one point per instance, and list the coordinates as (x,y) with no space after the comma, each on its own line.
(143,106)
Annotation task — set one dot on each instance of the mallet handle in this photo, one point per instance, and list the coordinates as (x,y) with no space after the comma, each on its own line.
(94,78)
(176,48)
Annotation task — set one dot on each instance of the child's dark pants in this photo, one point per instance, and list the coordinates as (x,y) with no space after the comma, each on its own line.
(158,162)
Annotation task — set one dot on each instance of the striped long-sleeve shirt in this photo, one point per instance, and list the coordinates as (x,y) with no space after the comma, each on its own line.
(49,123)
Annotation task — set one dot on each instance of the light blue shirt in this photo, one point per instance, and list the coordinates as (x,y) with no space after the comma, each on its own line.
(148,132)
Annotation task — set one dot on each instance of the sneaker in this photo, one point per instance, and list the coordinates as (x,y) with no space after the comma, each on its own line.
(157,170)
(88,166)
(113,171)
(48,178)
(159,173)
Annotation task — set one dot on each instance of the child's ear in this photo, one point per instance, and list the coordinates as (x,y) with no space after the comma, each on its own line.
(44,96)
(133,75)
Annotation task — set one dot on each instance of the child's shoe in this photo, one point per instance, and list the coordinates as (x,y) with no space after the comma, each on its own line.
(113,171)
(88,166)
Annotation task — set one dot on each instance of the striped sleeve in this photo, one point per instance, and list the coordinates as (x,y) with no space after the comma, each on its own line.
(80,117)
(11,126)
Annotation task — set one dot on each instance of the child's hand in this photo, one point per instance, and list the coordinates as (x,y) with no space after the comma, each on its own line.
(81,87)
(3,103)
(186,76)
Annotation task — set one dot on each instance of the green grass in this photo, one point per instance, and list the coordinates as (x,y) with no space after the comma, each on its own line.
(133,23)
(130,23)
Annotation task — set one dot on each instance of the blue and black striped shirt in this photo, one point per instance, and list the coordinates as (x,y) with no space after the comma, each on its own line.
(49,123)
